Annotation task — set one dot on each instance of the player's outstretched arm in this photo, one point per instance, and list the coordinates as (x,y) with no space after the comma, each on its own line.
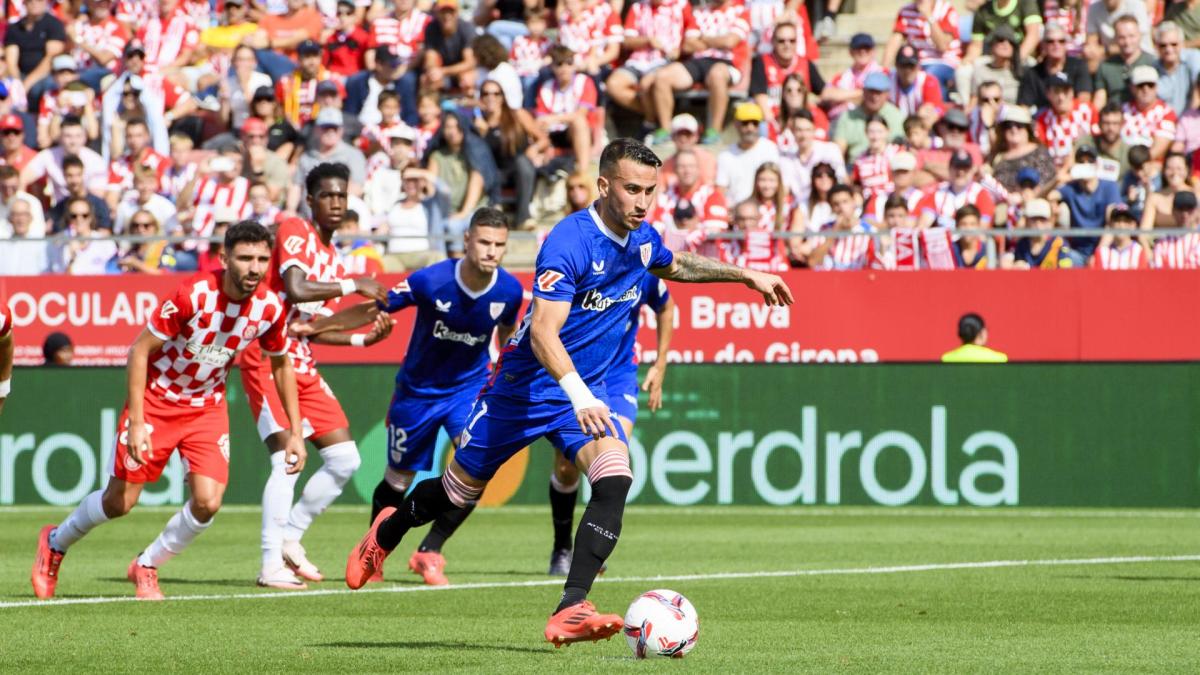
(348,319)
(6,366)
(691,268)
(548,319)
(658,370)
(135,378)
(300,289)
(380,329)
(294,451)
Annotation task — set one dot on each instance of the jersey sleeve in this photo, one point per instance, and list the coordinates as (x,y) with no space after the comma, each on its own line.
(657,295)
(660,255)
(172,314)
(558,266)
(274,342)
(291,246)
(401,295)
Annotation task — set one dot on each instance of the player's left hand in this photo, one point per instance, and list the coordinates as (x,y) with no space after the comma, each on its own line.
(774,290)
(597,421)
(653,385)
(295,454)
(380,329)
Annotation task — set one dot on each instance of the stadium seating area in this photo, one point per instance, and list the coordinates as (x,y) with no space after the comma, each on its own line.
(792,137)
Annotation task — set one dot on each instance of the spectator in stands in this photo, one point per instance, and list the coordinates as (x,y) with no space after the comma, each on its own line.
(297,91)
(761,249)
(796,99)
(580,192)
(1120,251)
(872,170)
(801,152)
(130,95)
(1187,132)
(329,148)
(987,102)
(48,163)
(502,19)
(851,131)
(1177,67)
(1112,78)
(12,142)
(363,89)
(66,97)
(492,58)
(685,134)
(530,53)
(881,252)
(280,35)
(90,250)
(654,32)
(706,203)
(238,86)
(1064,121)
(1185,14)
(940,204)
(183,166)
(974,337)
(1103,33)
(97,40)
(170,36)
(593,31)
(844,252)
(565,106)
(1147,119)
(282,137)
(467,179)
(260,164)
(933,162)
(148,257)
(846,89)
(1041,252)
(1016,147)
(518,145)
(385,187)
(30,44)
(1001,66)
(218,186)
(10,194)
(410,221)
(1180,252)
(403,33)
(331,96)
(1176,178)
(932,27)
(970,250)
(73,175)
(1055,61)
(263,210)
(137,153)
(144,197)
(914,91)
(1141,181)
(210,260)
(903,167)
(1112,150)
(346,42)
(22,253)
(737,165)
(1022,23)
(719,28)
(448,61)
(221,41)
(1089,199)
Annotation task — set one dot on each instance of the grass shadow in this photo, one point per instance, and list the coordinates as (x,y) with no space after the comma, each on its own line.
(435,645)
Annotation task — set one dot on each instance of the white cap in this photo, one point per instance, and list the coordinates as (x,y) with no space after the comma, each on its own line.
(221,163)
(1037,208)
(684,122)
(64,62)
(401,132)
(1144,75)
(1017,114)
(329,117)
(904,161)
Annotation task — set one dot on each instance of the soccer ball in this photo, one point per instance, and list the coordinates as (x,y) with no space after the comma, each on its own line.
(661,623)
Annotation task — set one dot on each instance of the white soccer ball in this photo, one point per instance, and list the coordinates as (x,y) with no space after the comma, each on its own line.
(661,623)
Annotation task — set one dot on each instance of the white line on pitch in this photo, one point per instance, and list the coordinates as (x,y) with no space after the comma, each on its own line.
(890,569)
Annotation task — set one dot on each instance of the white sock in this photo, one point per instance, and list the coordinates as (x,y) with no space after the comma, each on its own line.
(339,462)
(87,515)
(181,529)
(276,502)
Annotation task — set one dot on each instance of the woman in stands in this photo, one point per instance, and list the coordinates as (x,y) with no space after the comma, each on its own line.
(1176,178)
(517,144)
(1017,147)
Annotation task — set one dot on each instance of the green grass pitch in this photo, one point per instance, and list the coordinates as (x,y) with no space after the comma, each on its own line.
(852,590)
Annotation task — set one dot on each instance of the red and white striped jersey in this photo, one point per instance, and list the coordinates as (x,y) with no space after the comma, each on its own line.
(605,24)
(925,89)
(211,194)
(120,170)
(918,31)
(204,330)
(729,18)
(873,208)
(710,206)
(575,33)
(581,93)
(668,22)
(108,35)
(1058,132)
(848,253)
(199,11)
(298,244)
(135,12)
(1131,256)
(873,172)
(528,54)
(761,250)
(1143,127)
(1178,253)
(404,35)
(5,316)
(165,38)
(176,177)
(942,202)
(1073,19)
(852,80)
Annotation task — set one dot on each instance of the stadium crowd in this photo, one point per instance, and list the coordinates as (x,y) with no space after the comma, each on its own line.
(180,117)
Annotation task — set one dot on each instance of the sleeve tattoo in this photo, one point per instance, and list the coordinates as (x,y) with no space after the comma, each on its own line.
(690,267)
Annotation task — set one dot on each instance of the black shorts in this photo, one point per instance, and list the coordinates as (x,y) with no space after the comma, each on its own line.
(698,68)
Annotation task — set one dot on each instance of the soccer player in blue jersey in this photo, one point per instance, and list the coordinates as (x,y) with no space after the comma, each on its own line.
(459,302)
(622,388)
(550,379)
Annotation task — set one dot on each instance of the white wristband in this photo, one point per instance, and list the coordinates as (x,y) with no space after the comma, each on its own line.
(349,286)
(5,387)
(358,340)
(581,397)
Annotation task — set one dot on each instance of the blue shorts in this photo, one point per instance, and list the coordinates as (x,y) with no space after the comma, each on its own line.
(623,395)
(413,423)
(499,427)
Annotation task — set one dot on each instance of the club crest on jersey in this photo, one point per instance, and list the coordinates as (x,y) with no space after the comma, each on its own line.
(168,309)
(646,250)
(442,306)
(496,309)
(250,332)
(547,279)
(293,244)
(598,267)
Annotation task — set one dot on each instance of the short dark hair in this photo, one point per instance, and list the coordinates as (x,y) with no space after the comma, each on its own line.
(323,171)
(71,161)
(137,122)
(1121,214)
(1113,108)
(246,232)
(387,94)
(969,327)
(912,122)
(489,51)
(71,121)
(560,53)
(1139,155)
(488,217)
(967,211)
(626,148)
(896,201)
(840,187)
(877,118)
(350,215)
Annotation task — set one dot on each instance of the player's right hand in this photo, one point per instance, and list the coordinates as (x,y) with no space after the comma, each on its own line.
(774,289)
(596,421)
(380,329)
(138,442)
(370,288)
(295,454)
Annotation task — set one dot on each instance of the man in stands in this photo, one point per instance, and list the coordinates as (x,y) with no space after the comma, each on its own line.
(403,34)
(1066,120)
(939,205)
(1181,252)
(1121,251)
(846,89)
(769,71)
(138,152)
(737,164)
(221,187)
(706,202)
(1089,198)
(1054,62)
(914,91)
(1112,78)
(48,163)
(30,44)
(329,148)
(800,152)
(931,26)
(1113,152)
(1148,120)
(297,92)
(97,40)
(685,134)
(73,177)
(566,105)
(170,38)
(845,252)
(448,61)
(12,142)
(851,131)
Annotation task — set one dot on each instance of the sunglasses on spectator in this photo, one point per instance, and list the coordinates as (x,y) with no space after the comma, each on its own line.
(141,224)
(80,215)
(489,94)
(13,132)
(1145,84)
(990,99)
(1056,41)
(748,123)
(254,136)
(1167,44)
(785,42)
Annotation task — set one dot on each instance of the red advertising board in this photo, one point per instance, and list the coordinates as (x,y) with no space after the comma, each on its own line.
(1078,315)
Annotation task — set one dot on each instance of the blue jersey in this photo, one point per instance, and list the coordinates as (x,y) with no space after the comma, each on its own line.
(449,344)
(601,275)
(654,295)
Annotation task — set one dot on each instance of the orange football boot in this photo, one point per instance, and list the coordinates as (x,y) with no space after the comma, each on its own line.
(581,623)
(431,566)
(367,556)
(45,566)
(146,580)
